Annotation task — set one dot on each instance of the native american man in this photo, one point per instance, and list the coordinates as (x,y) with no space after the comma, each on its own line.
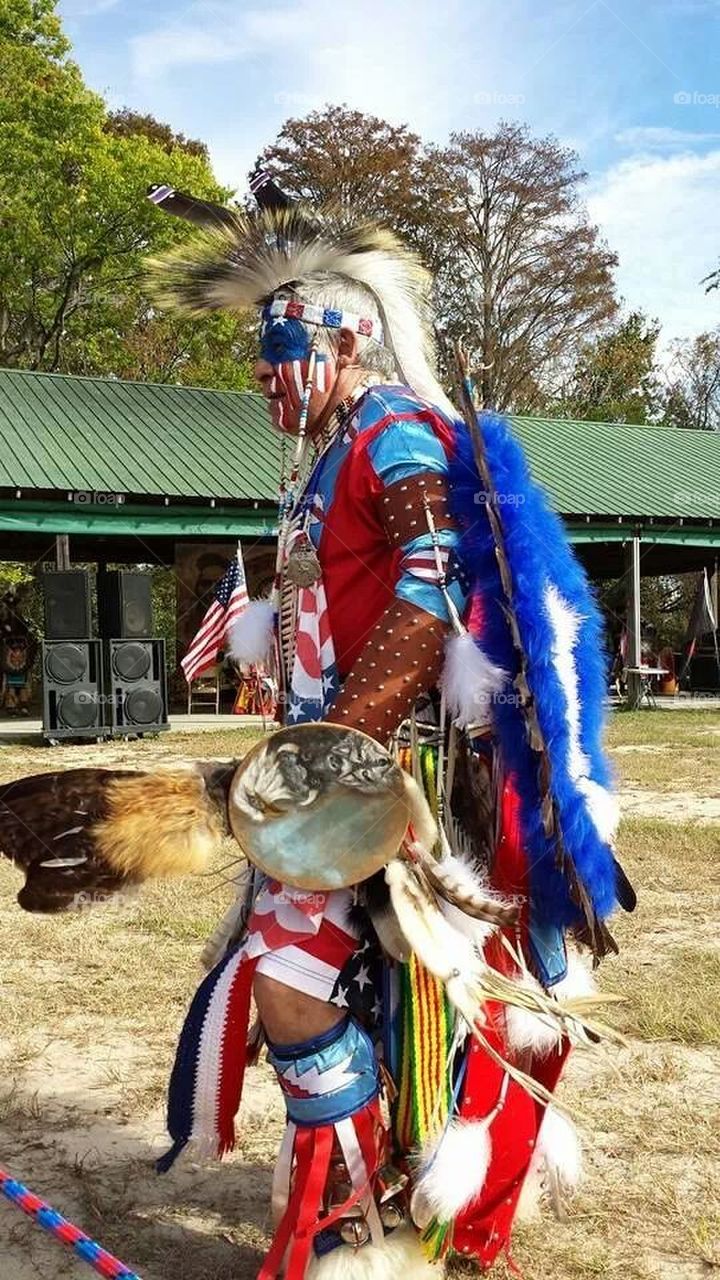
(416,1083)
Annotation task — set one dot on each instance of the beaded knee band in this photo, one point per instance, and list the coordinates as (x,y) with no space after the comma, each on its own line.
(329,1077)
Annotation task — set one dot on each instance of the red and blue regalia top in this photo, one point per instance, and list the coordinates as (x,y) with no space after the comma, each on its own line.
(390,436)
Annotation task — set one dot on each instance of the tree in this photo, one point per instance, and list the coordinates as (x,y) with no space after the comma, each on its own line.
(130,124)
(522,277)
(76,225)
(692,398)
(361,163)
(615,377)
(525,277)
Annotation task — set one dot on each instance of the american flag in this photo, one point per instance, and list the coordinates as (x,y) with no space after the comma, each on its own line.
(230,599)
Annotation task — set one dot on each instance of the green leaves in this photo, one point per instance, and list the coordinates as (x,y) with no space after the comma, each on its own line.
(77,226)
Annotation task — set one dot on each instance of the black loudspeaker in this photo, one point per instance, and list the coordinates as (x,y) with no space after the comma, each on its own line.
(125,604)
(135,686)
(68,609)
(73,702)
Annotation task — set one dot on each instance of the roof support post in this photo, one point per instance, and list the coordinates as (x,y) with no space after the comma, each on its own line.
(634,645)
(62,551)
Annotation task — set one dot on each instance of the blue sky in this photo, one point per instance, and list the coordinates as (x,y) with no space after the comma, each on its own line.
(633,86)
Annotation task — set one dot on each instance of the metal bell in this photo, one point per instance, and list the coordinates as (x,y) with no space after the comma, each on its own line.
(391,1215)
(355,1232)
(389,1182)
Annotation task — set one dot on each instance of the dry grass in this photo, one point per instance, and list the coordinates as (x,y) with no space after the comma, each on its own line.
(92,1004)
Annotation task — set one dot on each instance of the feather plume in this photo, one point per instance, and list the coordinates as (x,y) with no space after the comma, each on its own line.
(246,261)
(558,1148)
(469,982)
(158,825)
(528,1032)
(452,1172)
(420,816)
(251,635)
(455,881)
(469,680)
(231,925)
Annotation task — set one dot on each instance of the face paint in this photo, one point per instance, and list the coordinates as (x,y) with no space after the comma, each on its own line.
(284,339)
(288,386)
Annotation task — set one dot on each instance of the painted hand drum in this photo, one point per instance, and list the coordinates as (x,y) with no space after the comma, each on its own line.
(318,806)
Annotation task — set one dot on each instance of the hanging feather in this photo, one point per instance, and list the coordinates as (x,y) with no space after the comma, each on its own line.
(420,818)
(469,982)
(455,881)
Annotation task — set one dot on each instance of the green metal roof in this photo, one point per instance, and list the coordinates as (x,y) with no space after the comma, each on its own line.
(610,469)
(148,440)
(67,433)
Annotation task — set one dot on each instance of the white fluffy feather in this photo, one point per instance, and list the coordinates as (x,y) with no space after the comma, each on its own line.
(469,680)
(578,980)
(251,636)
(528,1032)
(452,1171)
(558,1149)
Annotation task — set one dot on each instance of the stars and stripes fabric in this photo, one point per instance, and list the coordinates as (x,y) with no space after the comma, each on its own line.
(314,680)
(230,599)
(297,931)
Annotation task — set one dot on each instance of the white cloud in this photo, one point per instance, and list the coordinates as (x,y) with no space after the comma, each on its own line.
(660,215)
(401,61)
(641,138)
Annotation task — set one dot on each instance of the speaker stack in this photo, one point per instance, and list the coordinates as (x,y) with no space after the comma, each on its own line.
(107,687)
(72,670)
(134,660)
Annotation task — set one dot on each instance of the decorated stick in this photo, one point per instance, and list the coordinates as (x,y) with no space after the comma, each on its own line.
(51,1221)
(599,936)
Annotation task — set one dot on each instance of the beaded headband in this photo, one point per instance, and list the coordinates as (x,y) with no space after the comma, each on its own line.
(325,317)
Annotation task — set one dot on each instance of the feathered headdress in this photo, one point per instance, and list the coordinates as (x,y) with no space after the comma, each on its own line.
(243,260)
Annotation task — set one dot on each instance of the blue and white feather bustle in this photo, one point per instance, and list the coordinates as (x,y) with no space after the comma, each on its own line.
(561,633)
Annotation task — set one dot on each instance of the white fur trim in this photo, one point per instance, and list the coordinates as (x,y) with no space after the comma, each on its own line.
(251,636)
(558,1149)
(603,807)
(400,1257)
(469,680)
(453,1170)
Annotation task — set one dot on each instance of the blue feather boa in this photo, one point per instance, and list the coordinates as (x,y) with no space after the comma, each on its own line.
(539,554)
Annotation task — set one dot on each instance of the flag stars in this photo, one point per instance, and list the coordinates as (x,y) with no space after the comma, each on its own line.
(362,977)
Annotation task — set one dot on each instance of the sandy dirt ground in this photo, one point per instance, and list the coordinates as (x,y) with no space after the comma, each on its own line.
(92,1005)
